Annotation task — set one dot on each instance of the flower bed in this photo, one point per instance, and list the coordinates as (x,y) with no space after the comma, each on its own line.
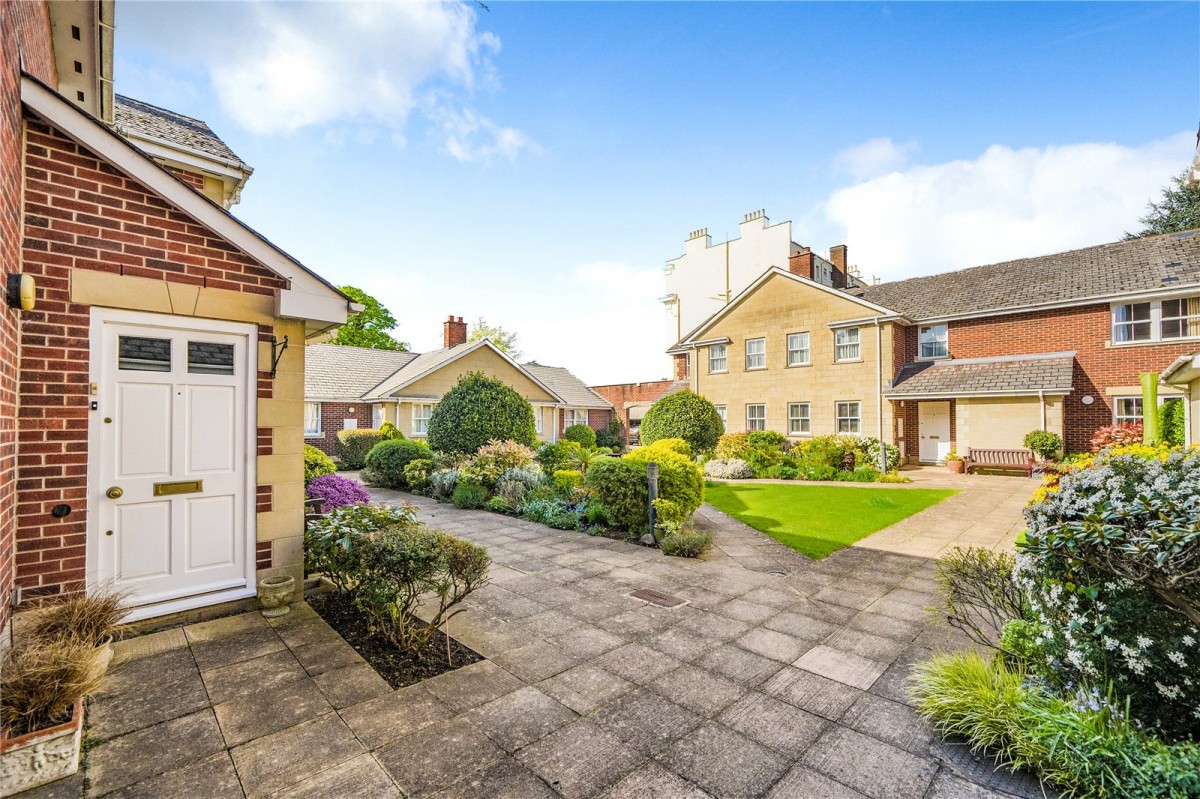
(771,455)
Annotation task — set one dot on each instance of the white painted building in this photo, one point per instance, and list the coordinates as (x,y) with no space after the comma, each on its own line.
(703,280)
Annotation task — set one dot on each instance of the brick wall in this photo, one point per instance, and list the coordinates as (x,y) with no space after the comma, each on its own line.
(598,419)
(28,27)
(82,214)
(1086,330)
(622,395)
(333,418)
(192,179)
(681,366)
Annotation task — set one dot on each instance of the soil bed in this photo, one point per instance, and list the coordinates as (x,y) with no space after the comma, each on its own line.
(399,668)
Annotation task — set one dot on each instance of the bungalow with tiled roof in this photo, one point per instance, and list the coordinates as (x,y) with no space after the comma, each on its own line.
(353,387)
(972,358)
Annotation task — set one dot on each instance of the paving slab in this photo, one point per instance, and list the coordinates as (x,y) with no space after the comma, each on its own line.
(272,763)
(697,690)
(844,667)
(807,691)
(585,688)
(270,711)
(153,750)
(646,721)
(438,756)
(248,677)
(580,760)
(473,685)
(737,664)
(536,661)
(871,767)
(637,663)
(652,781)
(520,718)
(890,722)
(152,702)
(211,778)
(774,645)
(392,716)
(773,723)
(804,783)
(361,776)
(351,685)
(725,763)
(504,779)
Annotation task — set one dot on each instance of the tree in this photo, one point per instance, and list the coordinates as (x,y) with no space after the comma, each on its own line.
(475,411)
(1178,210)
(503,340)
(685,415)
(369,328)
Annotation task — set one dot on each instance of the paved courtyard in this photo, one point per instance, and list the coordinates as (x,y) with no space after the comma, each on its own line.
(780,678)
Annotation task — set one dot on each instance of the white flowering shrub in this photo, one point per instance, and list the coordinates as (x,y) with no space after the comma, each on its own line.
(1111,569)
(728,469)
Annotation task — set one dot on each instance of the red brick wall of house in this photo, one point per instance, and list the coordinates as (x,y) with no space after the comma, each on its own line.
(598,419)
(190,178)
(26,25)
(622,395)
(681,367)
(1086,330)
(333,418)
(81,213)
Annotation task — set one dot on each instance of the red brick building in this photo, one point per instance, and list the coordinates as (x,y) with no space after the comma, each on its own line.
(630,401)
(148,391)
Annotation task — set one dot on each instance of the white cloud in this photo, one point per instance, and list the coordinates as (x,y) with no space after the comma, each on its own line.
(1004,204)
(365,64)
(874,157)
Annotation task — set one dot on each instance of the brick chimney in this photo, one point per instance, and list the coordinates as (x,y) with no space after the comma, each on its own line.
(454,332)
(802,263)
(837,257)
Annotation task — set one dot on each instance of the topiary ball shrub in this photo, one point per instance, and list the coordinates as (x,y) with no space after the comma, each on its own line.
(1043,443)
(469,496)
(390,432)
(387,460)
(316,463)
(581,434)
(479,409)
(352,446)
(685,415)
(336,491)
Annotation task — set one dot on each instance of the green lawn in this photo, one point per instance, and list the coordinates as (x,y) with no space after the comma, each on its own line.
(819,520)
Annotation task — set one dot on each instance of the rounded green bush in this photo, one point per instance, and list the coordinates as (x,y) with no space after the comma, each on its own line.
(620,485)
(581,434)
(316,464)
(469,496)
(387,459)
(477,410)
(1043,443)
(685,415)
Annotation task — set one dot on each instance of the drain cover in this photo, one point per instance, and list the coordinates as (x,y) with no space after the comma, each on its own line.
(657,598)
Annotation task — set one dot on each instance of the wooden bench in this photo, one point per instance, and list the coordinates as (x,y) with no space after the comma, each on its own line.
(1000,459)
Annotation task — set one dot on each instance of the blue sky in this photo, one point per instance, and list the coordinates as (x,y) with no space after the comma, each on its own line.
(537,164)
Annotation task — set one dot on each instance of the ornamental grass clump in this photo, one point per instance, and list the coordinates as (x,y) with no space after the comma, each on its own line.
(336,491)
(42,679)
(93,618)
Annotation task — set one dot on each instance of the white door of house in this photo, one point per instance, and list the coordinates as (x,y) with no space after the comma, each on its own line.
(170,474)
(933,421)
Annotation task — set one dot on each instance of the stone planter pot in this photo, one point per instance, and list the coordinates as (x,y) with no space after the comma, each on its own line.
(275,595)
(37,758)
(956,466)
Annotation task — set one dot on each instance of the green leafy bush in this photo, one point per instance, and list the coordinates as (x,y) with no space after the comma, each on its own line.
(581,459)
(499,504)
(1043,443)
(479,409)
(332,543)
(596,514)
(686,543)
(553,456)
(766,439)
(679,478)
(390,432)
(685,415)
(612,437)
(676,445)
(442,483)
(386,461)
(404,566)
(1085,746)
(416,474)
(977,595)
(620,485)
(552,512)
(469,496)
(1172,422)
(351,447)
(316,464)
(567,479)
(581,434)
(1111,569)
(733,446)
(862,474)
(494,459)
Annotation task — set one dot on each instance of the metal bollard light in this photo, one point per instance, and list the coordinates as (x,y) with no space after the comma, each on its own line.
(652,493)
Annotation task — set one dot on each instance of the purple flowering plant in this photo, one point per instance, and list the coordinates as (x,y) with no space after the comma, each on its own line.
(335,491)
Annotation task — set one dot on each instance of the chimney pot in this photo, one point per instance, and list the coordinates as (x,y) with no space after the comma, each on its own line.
(454,332)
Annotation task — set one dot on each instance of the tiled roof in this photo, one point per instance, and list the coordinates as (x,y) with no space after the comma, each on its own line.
(336,372)
(134,116)
(1015,374)
(1153,262)
(566,385)
(425,362)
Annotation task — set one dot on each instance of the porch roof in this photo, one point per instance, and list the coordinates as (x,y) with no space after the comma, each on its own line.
(1014,375)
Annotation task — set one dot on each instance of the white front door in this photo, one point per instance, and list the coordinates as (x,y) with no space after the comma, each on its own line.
(170,472)
(933,420)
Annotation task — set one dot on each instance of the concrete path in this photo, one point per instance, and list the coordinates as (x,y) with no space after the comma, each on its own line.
(786,685)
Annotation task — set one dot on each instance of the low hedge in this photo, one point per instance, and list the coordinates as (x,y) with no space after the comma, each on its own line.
(620,485)
(351,447)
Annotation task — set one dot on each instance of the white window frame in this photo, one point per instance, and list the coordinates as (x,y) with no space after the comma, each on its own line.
(756,419)
(378,416)
(538,416)
(723,412)
(798,344)
(714,358)
(1127,418)
(847,348)
(420,420)
(571,416)
(799,423)
(1154,322)
(756,355)
(842,413)
(312,432)
(938,341)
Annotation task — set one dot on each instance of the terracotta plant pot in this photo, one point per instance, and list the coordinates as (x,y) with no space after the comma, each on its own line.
(956,466)
(37,758)
(275,595)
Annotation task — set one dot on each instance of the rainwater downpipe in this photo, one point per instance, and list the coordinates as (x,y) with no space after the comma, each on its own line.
(883,445)
(1042,400)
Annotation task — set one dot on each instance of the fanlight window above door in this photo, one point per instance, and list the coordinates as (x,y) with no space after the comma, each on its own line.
(208,358)
(142,354)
